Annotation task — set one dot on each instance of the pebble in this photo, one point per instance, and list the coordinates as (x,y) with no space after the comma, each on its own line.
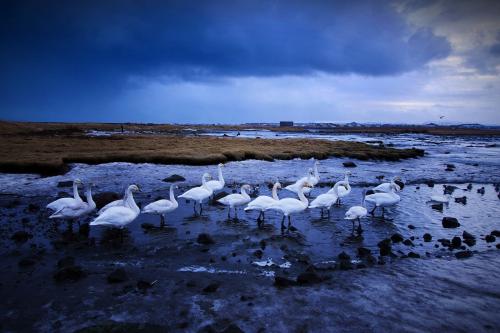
(427,237)
(397,238)
(463,254)
(450,222)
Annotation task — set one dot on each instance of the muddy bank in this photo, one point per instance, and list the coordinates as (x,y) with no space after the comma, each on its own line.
(53,153)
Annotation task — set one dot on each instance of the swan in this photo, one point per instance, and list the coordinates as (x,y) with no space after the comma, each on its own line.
(326,200)
(344,190)
(289,206)
(263,201)
(357,213)
(386,187)
(163,206)
(200,193)
(76,209)
(119,202)
(383,199)
(62,202)
(120,216)
(236,199)
(295,186)
(217,185)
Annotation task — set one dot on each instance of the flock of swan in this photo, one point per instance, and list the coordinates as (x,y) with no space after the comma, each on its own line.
(122,212)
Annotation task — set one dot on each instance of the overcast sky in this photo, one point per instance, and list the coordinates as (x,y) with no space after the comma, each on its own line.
(250,61)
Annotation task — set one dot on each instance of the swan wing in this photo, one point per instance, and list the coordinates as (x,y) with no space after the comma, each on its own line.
(63,202)
(159,206)
(260,203)
(323,200)
(115,203)
(196,193)
(355,212)
(115,216)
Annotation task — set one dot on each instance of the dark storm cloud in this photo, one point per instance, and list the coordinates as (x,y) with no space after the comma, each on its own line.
(91,47)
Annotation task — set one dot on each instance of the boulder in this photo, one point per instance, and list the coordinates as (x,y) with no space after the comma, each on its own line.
(456,242)
(413,255)
(490,238)
(463,254)
(495,233)
(205,239)
(385,247)
(450,222)
(466,235)
(462,200)
(309,278)
(349,164)
(363,252)
(174,178)
(69,273)
(104,198)
(438,206)
(427,237)
(408,242)
(397,238)
(281,281)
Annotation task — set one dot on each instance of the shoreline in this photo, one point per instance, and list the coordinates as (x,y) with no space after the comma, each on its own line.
(48,150)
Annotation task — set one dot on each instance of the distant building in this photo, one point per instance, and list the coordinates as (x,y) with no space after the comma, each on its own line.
(286,123)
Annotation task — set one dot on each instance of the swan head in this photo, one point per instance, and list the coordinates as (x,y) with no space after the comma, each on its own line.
(246,187)
(306,184)
(134,188)
(399,183)
(310,171)
(77,181)
(220,165)
(278,185)
(206,176)
(348,173)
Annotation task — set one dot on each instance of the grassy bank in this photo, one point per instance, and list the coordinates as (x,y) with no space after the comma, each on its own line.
(48,151)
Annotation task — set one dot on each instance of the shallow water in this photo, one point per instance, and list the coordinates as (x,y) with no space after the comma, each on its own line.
(435,292)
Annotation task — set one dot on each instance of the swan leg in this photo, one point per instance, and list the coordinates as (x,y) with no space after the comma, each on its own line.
(263,216)
(201,208)
(194,208)
(289,222)
(283,223)
(229,213)
(329,208)
(321,212)
(383,212)
(360,230)
(236,213)
(352,227)
(162,220)
(372,212)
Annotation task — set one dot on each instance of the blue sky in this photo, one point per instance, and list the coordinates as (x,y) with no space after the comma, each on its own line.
(250,61)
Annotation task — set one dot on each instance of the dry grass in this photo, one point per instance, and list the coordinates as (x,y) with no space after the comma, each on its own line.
(48,150)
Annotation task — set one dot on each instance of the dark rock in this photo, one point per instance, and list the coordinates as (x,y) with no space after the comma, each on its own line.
(21,236)
(411,226)
(397,238)
(66,262)
(344,256)
(450,167)
(438,206)
(408,242)
(449,189)
(174,178)
(147,226)
(33,208)
(65,183)
(349,164)
(205,239)
(309,278)
(481,190)
(104,198)
(385,247)
(281,281)
(470,242)
(490,238)
(463,254)
(258,254)
(212,287)
(427,237)
(429,183)
(263,244)
(456,242)
(84,230)
(413,255)
(363,252)
(469,187)
(466,235)
(498,246)
(495,233)
(69,273)
(462,200)
(117,276)
(445,242)
(26,262)
(450,222)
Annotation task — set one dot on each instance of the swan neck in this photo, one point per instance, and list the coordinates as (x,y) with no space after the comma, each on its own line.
(221,179)
(90,200)
(302,196)
(316,173)
(76,195)
(172,196)
(244,192)
(131,202)
(275,192)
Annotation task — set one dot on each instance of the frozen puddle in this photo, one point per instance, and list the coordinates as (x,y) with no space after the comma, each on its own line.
(210,270)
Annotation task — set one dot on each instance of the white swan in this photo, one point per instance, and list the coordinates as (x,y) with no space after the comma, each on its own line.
(344,190)
(295,186)
(77,209)
(200,193)
(63,202)
(289,206)
(120,216)
(383,199)
(326,200)
(236,199)
(263,201)
(217,185)
(357,213)
(386,187)
(163,206)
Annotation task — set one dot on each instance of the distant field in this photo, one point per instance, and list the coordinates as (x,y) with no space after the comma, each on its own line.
(47,149)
